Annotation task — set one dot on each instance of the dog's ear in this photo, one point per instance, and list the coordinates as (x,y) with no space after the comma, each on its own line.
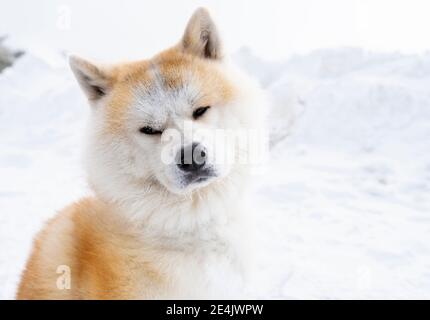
(94,80)
(201,37)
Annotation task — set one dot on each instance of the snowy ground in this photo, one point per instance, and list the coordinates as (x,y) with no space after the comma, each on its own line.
(347,196)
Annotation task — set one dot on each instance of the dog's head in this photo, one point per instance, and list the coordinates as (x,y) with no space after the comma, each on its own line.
(159,122)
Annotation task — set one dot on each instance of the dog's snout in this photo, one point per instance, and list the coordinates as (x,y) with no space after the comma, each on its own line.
(191,158)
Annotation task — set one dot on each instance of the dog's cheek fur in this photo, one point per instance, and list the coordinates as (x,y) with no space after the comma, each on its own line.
(110,158)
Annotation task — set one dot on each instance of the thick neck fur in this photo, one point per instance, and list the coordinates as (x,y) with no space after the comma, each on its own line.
(180,221)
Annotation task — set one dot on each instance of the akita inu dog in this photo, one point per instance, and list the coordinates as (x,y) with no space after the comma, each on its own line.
(155,228)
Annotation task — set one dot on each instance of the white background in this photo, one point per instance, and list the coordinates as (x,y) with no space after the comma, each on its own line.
(273,28)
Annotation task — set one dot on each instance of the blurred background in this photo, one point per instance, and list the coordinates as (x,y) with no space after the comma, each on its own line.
(345,201)
(273,28)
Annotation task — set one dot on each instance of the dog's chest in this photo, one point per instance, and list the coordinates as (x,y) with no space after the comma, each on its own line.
(207,268)
(215,273)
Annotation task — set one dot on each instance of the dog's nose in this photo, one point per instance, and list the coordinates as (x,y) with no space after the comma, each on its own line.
(192,158)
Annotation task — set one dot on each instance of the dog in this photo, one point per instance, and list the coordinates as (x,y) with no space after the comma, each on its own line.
(160,224)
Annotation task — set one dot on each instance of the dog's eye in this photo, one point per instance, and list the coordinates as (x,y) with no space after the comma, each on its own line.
(199,112)
(149,130)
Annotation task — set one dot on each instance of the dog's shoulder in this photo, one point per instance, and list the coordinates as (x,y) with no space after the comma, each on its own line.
(54,260)
(87,251)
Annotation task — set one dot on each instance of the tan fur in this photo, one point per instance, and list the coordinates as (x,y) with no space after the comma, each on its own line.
(106,258)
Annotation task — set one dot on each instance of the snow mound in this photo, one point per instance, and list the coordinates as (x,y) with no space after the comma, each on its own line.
(349,185)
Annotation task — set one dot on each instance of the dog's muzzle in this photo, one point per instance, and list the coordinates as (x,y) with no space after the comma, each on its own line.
(192,162)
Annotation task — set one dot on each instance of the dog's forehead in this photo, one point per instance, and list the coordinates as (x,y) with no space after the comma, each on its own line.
(174,71)
(169,70)
(168,84)
(171,81)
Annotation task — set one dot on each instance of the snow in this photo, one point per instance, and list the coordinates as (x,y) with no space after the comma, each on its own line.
(345,202)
